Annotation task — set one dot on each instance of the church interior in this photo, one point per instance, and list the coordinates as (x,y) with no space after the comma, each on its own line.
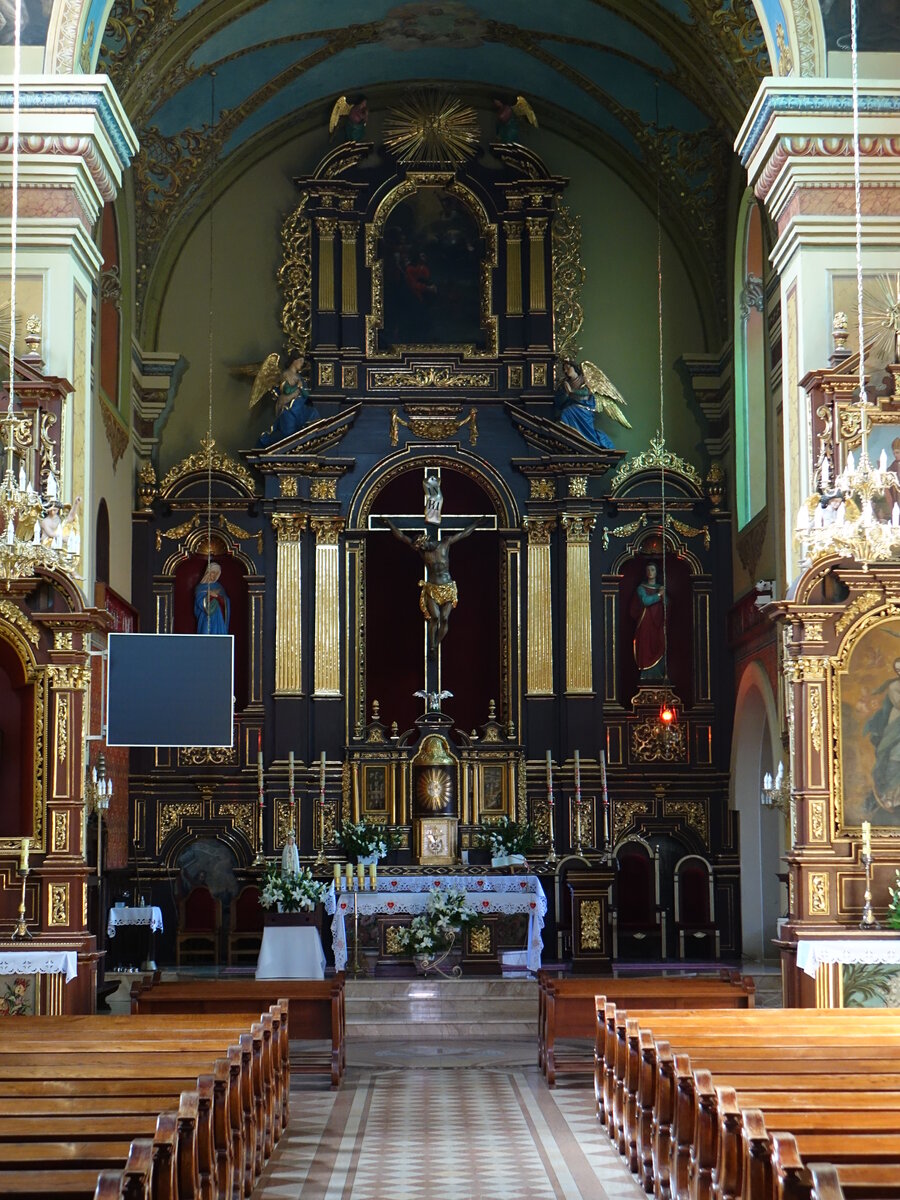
(450,598)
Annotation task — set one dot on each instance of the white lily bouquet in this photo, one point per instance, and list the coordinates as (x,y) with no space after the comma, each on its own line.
(292,891)
(359,840)
(434,930)
(509,841)
(893,911)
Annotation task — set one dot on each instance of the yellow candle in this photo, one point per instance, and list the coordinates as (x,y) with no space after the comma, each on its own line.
(349,871)
(337,877)
(372,876)
(359,874)
(23,854)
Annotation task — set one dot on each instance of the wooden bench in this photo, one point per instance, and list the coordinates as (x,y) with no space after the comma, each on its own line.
(316,1010)
(214,1144)
(567,1007)
(666,1116)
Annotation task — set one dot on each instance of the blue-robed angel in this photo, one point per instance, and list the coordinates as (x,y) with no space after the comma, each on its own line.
(583,391)
(292,407)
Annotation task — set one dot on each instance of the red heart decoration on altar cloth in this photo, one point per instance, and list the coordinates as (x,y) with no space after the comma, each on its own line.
(480,882)
(485,904)
(532,904)
(393,883)
(523,883)
(437,883)
(390,904)
(344,904)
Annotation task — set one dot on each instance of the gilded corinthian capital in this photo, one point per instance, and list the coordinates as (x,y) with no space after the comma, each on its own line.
(289,526)
(326,529)
(539,530)
(578,526)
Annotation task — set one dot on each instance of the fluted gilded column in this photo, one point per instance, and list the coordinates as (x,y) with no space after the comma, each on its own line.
(579,675)
(513,230)
(539,662)
(289,529)
(327,663)
(537,233)
(327,227)
(348,269)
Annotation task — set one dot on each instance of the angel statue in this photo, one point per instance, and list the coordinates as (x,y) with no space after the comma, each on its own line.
(355,115)
(292,407)
(509,115)
(583,391)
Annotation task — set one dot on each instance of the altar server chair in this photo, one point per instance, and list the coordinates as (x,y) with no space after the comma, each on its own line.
(246,927)
(199,925)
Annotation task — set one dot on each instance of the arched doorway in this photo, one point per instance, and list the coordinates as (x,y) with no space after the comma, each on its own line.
(756,750)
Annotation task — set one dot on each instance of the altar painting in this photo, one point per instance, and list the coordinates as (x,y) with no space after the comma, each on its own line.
(870,729)
(432,264)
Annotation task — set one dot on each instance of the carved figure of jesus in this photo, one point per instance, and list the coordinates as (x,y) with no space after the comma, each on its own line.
(438,595)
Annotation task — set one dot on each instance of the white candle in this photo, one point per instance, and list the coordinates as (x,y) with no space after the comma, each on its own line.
(603,771)
(291,772)
(322,771)
(577,771)
(867,838)
(23,854)
(549,770)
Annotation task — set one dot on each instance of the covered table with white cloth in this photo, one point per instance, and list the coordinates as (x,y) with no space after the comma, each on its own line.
(291,952)
(409,894)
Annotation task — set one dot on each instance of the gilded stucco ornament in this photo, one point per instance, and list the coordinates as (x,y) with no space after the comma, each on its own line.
(655,459)
(208,459)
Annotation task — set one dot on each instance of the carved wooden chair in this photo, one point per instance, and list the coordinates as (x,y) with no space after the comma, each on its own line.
(199,925)
(695,908)
(246,928)
(638,921)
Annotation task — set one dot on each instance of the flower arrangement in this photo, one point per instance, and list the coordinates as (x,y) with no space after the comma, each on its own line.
(433,931)
(507,837)
(893,911)
(294,892)
(359,840)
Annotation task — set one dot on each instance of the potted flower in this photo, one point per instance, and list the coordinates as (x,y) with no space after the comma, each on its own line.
(290,892)
(893,909)
(431,934)
(364,843)
(509,842)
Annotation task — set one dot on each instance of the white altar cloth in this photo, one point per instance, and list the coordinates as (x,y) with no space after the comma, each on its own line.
(876,950)
(149,914)
(39,962)
(291,952)
(409,894)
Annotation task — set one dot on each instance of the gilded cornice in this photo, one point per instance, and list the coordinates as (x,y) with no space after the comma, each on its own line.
(657,458)
(208,459)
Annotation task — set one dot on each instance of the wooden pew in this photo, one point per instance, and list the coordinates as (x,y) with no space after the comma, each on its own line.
(316,1010)
(567,1007)
(660,1114)
(243,1093)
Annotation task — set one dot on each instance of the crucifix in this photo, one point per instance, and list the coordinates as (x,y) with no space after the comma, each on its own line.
(438,593)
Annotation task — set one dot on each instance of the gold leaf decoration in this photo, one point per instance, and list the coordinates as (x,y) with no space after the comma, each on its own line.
(430,127)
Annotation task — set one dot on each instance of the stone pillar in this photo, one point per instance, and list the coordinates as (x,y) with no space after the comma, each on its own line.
(75,144)
(289,528)
(797,145)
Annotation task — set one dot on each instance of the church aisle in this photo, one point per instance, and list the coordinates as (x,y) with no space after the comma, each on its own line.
(444,1121)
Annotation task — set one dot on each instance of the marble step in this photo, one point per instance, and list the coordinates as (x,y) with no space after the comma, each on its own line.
(464,1008)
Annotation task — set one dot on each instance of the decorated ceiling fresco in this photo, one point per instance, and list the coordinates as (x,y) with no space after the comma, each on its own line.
(662,84)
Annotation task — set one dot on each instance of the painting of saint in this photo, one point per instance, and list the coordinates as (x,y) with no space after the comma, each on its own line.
(870,728)
(432,255)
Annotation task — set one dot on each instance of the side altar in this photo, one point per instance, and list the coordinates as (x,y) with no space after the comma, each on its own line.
(437,567)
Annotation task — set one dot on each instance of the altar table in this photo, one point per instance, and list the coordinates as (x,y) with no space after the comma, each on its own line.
(824,959)
(409,894)
(147,914)
(39,962)
(291,952)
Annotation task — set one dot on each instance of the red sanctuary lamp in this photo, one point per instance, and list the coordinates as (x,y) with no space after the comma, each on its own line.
(668,714)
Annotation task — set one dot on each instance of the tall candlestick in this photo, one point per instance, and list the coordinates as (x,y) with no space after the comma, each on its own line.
(551,854)
(605,798)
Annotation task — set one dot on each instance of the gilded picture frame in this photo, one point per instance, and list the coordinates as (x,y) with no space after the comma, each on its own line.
(868,701)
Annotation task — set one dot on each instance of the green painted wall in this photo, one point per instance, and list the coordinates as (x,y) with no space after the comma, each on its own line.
(620,300)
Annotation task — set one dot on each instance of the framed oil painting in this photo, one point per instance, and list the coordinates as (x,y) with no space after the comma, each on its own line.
(432,253)
(870,729)
(375,793)
(492,791)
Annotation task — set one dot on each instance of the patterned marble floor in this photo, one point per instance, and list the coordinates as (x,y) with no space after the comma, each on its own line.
(444,1122)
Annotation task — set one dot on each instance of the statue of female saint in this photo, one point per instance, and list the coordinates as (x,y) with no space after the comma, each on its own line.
(212,608)
(290,856)
(649,610)
(292,407)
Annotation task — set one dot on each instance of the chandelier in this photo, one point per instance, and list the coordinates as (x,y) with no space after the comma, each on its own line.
(36,530)
(858,516)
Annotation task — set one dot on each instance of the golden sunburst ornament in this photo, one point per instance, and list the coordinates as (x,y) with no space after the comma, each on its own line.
(435,790)
(430,127)
(881,317)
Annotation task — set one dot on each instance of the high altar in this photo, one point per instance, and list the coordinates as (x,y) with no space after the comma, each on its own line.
(429,309)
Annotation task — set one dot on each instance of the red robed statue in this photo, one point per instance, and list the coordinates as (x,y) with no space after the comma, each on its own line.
(649,611)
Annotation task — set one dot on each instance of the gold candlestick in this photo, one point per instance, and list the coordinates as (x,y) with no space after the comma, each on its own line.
(21,930)
(321,858)
(868,915)
(551,859)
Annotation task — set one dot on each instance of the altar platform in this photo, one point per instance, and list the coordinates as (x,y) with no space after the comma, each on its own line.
(430,1008)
